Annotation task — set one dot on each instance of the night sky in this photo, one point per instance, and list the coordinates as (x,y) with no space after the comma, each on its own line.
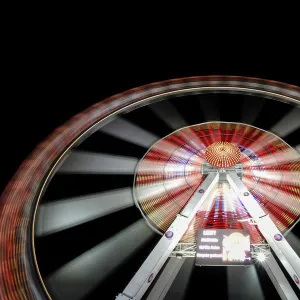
(50,83)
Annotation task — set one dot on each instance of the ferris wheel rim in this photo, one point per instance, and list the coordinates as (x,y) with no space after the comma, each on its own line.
(30,190)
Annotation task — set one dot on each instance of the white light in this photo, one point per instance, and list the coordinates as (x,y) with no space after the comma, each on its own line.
(261,257)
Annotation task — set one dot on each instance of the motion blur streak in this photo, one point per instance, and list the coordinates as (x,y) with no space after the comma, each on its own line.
(93,266)
(162,196)
(81,162)
(274,175)
(127,131)
(251,111)
(180,284)
(289,123)
(210,111)
(59,215)
(294,241)
(168,114)
(284,156)
(19,199)
(237,289)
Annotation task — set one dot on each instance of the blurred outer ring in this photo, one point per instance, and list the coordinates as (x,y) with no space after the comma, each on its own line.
(19,201)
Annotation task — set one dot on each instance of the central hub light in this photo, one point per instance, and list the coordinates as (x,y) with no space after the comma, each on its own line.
(222,154)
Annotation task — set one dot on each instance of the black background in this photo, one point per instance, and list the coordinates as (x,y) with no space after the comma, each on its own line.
(54,72)
(50,77)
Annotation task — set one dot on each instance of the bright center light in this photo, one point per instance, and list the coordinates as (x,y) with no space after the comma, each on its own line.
(222,154)
(261,257)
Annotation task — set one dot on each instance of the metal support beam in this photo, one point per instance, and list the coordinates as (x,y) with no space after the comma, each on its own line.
(166,279)
(273,236)
(150,268)
(184,250)
(281,284)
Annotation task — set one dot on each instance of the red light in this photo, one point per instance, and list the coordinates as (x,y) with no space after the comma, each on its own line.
(222,154)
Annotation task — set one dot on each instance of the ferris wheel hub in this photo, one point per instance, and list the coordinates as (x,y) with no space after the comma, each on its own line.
(223,154)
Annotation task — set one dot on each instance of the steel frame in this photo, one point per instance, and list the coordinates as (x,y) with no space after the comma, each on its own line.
(150,268)
(282,249)
(183,250)
(169,246)
(279,280)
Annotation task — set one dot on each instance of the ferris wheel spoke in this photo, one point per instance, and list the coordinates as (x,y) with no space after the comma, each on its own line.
(130,132)
(251,109)
(230,107)
(76,279)
(63,246)
(288,124)
(236,288)
(293,138)
(267,119)
(89,234)
(166,111)
(145,118)
(210,108)
(69,185)
(98,163)
(190,103)
(60,215)
(100,142)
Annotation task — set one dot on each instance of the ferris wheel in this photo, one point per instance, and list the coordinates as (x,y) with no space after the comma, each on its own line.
(96,199)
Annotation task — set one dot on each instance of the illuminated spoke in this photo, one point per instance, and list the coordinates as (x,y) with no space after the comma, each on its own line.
(250,111)
(209,109)
(130,132)
(81,162)
(76,279)
(168,114)
(288,124)
(237,289)
(59,215)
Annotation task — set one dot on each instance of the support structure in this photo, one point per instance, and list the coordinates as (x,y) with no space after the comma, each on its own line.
(152,265)
(283,287)
(168,244)
(166,279)
(277,277)
(183,250)
(273,236)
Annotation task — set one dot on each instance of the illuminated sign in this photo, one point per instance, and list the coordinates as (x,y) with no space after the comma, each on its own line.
(223,247)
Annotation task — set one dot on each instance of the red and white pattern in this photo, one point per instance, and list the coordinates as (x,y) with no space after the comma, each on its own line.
(164,183)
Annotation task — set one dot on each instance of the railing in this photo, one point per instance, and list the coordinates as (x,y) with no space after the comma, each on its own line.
(189,250)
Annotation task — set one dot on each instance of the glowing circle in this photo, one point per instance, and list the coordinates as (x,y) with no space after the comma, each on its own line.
(278,237)
(261,257)
(169,234)
(222,154)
